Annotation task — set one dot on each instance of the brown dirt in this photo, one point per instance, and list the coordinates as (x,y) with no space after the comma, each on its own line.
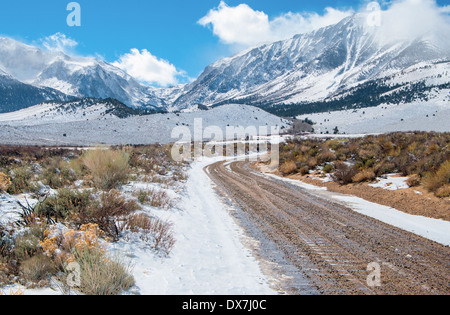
(406,200)
(326,243)
(415,200)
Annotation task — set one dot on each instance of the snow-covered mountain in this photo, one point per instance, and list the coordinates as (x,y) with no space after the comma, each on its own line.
(347,65)
(312,67)
(72,76)
(15,95)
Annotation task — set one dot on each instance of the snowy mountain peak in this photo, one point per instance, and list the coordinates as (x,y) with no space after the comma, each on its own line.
(311,66)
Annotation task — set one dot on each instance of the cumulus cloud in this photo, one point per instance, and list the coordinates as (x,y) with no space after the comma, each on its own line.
(148,68)
(59,42)
(244,27)
(412,19)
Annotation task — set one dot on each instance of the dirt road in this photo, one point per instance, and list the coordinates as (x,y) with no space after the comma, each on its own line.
(322,247)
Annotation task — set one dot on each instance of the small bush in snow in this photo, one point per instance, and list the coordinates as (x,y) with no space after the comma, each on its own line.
(109,168)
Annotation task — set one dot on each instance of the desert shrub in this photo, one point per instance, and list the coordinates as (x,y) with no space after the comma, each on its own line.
(326,156)
(37,268)
(101,275)
(443,191)
(154,231)
(179,176)
(156,198)
(413,180)
(58,174)
(67,202)
(21,181)
(329,168)
(6,243)
(5,182)
(344,173)
(288,167)
(364,176)
(26,246)
(304,170)
(109,168)
(108,212)
(434,181)
(384,167)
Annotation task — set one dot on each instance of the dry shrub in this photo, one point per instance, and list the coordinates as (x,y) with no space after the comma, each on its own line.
(413,181)
(5,182)
(67,202)
(37,269)
(364,176)
(434,181)
(101,275)
(288,167)
(443,192)
(58,174)
(304,170)
(329,168)
(155,198)
(21,181)
(344,173)
(106,215)
(109,168)
(326,156)
(154,231)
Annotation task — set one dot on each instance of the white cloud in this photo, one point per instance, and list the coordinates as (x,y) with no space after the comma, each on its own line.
(147,68)
(412,19)
(58,42)
(244,27)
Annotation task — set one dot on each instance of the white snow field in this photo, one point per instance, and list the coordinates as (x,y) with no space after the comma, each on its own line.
(418,116)
(75,129)
(209,257)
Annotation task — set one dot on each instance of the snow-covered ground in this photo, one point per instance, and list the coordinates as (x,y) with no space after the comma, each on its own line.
(58,130)
(209,257)
(421,116)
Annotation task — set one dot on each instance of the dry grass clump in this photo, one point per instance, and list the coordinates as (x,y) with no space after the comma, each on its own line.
(288,167)
(344,173)
(108,167)
(413,181)
(101,275)
(58,174)
(443,191)
(21,180)
(439,181)
(156,198)
(154,231)
(365,175)
(5,182)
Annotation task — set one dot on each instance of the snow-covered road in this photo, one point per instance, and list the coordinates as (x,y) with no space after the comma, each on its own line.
(209,257)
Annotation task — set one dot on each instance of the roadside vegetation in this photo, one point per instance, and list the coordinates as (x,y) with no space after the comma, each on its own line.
(424,157)
(71,203)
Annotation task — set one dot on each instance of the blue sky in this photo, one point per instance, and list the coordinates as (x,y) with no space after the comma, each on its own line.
(167,30)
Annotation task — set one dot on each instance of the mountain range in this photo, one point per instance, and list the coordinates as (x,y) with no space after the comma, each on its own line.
(335,67)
